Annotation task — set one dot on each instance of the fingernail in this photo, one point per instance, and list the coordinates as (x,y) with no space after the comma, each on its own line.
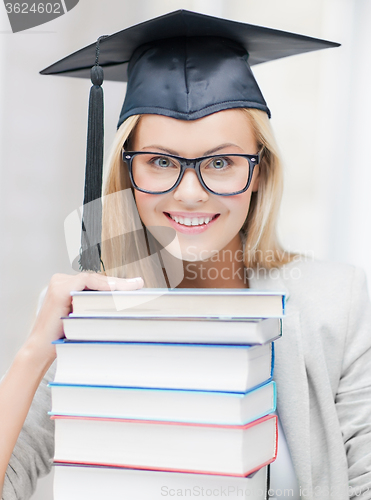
(133,280)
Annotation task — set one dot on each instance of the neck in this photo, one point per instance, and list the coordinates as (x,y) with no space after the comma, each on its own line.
(225,269)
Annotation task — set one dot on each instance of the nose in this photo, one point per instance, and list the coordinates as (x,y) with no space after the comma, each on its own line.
(190,189)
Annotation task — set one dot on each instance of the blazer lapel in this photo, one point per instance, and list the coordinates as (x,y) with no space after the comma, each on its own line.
(292,386)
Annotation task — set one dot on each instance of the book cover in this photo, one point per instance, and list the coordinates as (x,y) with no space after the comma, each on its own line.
(171,446)
(211,329)
(181,302)
(209,367)
(226,408)
(96,483)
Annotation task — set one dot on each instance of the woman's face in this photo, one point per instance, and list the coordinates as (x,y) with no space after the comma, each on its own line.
(220,133)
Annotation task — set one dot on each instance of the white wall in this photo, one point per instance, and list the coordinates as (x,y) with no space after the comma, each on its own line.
(348,152)
(321,112)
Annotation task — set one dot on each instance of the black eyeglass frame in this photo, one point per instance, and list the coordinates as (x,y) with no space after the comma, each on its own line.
(194,163)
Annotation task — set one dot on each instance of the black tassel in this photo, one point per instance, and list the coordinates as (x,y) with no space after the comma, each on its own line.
(90,253)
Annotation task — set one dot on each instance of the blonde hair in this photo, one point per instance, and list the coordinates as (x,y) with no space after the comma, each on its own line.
(120,217)
(261,244)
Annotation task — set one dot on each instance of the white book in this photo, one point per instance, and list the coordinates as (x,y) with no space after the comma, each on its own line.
(226,408)
(168,329)
(224,368)
(181,302)
(172,446)
(98,483)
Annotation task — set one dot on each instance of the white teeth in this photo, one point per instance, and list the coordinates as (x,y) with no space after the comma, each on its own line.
(197,221)
(194,221)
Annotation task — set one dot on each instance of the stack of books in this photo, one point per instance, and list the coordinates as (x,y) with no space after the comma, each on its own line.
(166,394)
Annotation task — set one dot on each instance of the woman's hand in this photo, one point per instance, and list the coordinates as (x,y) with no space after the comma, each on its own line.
(57,303)
(19,385)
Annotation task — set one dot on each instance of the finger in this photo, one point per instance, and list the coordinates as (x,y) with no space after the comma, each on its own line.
(125,284)
(99,282)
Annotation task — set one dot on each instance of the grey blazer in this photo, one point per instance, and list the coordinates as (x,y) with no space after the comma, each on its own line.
(323,375)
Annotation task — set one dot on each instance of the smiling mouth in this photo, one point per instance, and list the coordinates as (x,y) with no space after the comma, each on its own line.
(192,221)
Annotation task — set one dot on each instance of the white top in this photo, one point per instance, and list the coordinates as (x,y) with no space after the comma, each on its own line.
(283,481)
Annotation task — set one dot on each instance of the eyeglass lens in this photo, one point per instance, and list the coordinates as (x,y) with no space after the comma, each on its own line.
(221,174)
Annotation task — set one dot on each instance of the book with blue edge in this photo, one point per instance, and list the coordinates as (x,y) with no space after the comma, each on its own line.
(186,329)
(138,403)
(208,367)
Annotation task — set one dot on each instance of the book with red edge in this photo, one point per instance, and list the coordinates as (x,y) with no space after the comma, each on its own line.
(172,446)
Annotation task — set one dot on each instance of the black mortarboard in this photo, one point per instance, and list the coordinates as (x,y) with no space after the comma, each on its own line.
(184,65)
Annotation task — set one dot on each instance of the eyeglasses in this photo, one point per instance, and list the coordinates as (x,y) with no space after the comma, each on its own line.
(224,175)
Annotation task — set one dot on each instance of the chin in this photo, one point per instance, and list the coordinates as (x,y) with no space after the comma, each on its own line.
(192,253)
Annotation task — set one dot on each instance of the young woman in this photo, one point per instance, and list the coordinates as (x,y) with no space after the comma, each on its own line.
(223,207)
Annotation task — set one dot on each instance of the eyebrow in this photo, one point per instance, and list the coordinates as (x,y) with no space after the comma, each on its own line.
(155,147)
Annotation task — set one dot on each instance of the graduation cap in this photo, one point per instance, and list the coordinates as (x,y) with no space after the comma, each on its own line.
(184,65)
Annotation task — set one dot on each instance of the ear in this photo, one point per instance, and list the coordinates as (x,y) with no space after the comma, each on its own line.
(255,179)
